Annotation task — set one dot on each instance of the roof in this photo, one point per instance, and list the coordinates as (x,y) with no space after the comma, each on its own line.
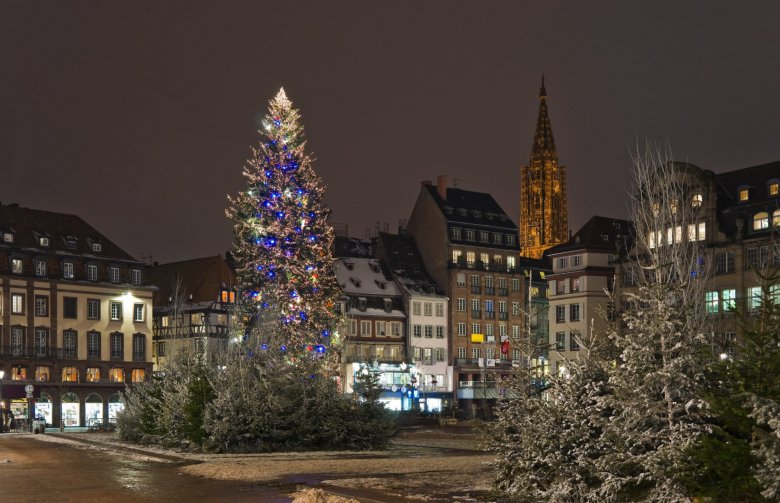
(202,278)
(67,234)
(754,177)
(363,277)
(406,265)
(353,247)
(598,234)
(473,208)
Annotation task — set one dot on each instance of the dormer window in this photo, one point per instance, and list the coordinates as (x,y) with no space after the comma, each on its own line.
(374,267)
(349,265)
(476,213)
(448,210)
(744,194)
(8,237)
(355,281)
(489,215)
(17,266)
(470,234)
(97,247)
(71,242)
(362,303)
(761,221)
(456,233)
(462,212)
(773,188)
(696,200)
(484,237)
(380,284)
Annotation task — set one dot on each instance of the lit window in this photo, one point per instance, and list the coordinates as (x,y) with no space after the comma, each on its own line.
(729,299)
(774,188)
(456,255)
(70,374)
(116,375)
(67,270)
(42,373)
(17,303)
(761,221)
(696,200)
(93,374)
(19,373)
(138,375)
(43,241)
(8,237)
(712,302)
(754,297)
(17,266)
(744,194)
(776,218)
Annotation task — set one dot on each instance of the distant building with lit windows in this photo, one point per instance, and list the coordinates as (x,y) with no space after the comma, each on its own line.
(75,318)
(193,306)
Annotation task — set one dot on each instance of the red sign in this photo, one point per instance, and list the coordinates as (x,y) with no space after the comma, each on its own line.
(505,347)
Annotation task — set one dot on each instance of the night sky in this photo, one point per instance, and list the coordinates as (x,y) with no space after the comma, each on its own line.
(138,116)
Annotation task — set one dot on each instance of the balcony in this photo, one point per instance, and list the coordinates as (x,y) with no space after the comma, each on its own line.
(489,290)
(503,316)
(476,289)
(490,315)
(503,292)
(476,314)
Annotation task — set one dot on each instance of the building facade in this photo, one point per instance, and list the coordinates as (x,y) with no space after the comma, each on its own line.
(470,248)
(194,306)
(544,220)
(75,319)
(582,280)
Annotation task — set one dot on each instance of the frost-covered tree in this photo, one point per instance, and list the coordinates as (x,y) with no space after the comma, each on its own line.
(283,242)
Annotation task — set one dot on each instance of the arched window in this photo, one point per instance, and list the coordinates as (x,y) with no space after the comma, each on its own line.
(760,221)
(697,200)
(93,409)
(70,410)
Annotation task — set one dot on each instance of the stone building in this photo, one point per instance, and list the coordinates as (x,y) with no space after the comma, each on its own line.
(76,319)
(544,220)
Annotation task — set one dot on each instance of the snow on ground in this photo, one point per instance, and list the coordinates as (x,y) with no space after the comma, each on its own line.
(425,465)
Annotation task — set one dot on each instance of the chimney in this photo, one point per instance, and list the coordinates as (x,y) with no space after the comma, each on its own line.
(441,186)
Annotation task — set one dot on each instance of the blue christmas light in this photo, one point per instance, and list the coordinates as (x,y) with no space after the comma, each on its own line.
(320,349)
(266,204)
(303,316)
(280,215)
(326,333)
(264,347)
(283,348)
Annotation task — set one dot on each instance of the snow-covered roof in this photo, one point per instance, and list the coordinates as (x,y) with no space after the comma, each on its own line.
(372,311)
(363,276)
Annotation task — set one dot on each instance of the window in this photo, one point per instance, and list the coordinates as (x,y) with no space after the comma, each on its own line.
(381,328)
(560,341)
(93,344)
(97,247)
(696,200)
(776,219)
(461,280)
(489,284)
(439,309)
(490,353)
(510,239)
(502,306)
(93,374)
(462,329)
(461,352)
(41,345)
(92,272)
(42,373)
(484,258)
(116,375)
(712,302)
(575,284)
(744,194)
(69,338)
(560,314)
(510,263)
(484,237)
(137,375)
(139,347)
(470,235)
(456,233)
(67,270)
(489,306)
(474,282)
(754,298)
(516,355)
(576,260)
(475,328)
(724,263)
(395,329)
(138,312)
(353,327)
(135,276)
(475,307)
(515,331)
(428,331)
(560,286)
(161,349)
(93,309)
(574,312)
(41,305)
(427,309)
(17,266)
(439,354)
(69,307)
(17,303)
(70,374)
(515,308)
(113,274)
(117,345)
(8,237)
(365,328)
(515,285)
(502,331)
(563,262)
(116,311)
(417,330)
(417,355)
(773,188)
(40,268)
(19,373)
(228,297)
(416,308)
(761,221)
(17,341)
(439,332)
(471,257)
(489,331)
(729,299)
(475,353)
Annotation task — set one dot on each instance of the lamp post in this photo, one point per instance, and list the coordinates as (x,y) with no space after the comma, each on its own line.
(2,403)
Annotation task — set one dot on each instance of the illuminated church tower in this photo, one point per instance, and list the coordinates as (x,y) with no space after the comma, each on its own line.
(543,211)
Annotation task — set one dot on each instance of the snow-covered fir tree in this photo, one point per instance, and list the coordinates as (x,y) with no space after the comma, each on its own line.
(283,242)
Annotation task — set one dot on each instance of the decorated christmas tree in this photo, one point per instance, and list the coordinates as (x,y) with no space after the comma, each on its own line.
(283,243)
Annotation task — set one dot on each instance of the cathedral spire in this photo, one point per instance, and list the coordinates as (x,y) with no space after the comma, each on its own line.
(543,208)
(544,143)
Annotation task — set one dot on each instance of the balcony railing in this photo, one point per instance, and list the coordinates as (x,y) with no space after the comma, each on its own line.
(476,289)
(490,315)
(489,290)
(477,384)
(191,331)
(503,292)
(503,316)
(476,313)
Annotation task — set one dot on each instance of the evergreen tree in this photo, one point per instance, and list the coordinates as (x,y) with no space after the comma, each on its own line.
(282,241)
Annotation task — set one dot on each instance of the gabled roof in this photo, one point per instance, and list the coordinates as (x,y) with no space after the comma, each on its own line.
(472,208)
(598,234)
(406,265)
(203,278)
(28,225)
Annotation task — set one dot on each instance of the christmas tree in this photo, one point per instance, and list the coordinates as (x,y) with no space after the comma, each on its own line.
(283,242)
